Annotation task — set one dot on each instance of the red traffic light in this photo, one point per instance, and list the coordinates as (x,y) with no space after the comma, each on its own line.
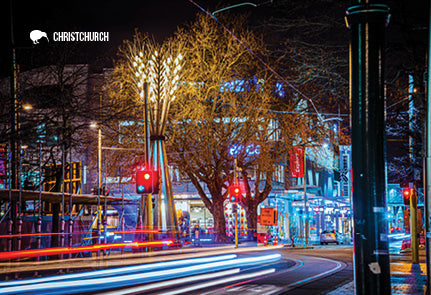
(235,193)
(147,182)
(407,192)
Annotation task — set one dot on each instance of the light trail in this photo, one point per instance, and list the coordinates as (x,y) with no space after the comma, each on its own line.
(116,271)
(175,282)
(81,233)
(69,250)
(79,286)
(221,281)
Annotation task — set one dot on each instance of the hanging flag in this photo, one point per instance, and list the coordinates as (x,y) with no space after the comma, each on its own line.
(296,156)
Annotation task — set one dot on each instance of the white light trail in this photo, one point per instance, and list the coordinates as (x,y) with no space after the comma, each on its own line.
(144,277)
(117,271)
(221,281)
(175,282)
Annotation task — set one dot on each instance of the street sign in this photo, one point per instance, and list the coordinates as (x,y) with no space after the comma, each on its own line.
(268,216)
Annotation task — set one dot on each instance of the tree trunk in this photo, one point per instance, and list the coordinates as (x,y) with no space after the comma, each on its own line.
(252,222)
(219,223)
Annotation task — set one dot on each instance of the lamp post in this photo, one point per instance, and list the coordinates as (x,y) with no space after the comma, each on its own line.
(367,22)
(99,175)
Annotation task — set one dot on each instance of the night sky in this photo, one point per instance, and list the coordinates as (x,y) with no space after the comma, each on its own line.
(159,18)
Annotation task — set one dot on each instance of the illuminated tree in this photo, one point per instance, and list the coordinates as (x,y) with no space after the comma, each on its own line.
(227,101)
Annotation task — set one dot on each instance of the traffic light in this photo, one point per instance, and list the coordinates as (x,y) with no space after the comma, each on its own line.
(235,193)
(147,182)
(407,193)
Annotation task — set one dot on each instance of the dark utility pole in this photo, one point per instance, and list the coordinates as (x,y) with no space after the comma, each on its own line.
(427,184)
(367,22)
(14,106)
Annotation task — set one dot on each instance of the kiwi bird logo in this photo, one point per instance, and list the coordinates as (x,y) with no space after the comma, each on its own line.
(36,35)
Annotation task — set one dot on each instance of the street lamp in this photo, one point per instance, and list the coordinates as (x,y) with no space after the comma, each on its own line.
(27,107)
(99,179)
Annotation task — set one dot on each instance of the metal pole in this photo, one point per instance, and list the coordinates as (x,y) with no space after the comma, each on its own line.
(122,211)
(19,220)
(367,22)
(11,204)
(305,199)
(147,127)
(99,182)
(411,118)
(149,221)
(235,205)
(14,103)
(105,211)
(236,226)
(63,175)
(39,213)
(414,225)
(427,177)
(148,201)
(70,200)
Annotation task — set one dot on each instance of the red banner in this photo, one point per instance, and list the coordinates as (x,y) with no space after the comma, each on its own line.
(296,156)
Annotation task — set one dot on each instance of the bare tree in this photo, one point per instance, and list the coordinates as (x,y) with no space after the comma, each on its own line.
(61,96)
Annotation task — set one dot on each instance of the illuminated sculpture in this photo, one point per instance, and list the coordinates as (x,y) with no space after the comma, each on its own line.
(159,67)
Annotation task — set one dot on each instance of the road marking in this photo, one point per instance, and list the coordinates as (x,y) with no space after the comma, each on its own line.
(298,264)
(264,289)
(339,265)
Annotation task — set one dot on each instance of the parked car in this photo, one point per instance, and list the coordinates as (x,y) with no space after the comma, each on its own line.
(332,236)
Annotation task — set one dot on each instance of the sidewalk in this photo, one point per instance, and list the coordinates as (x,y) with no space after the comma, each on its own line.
(406,278)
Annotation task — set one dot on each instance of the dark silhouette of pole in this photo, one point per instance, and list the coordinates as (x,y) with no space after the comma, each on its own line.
(427,178)
(14,104)
(13,135)
(367,22)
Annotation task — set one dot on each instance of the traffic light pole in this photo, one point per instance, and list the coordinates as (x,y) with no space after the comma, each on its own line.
(367,22)
(99,182)
(305,199)
(235,204)
(414,226)
(236,226)
(148,202)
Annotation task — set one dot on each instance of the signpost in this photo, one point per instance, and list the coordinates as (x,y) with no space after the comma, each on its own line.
(268,216)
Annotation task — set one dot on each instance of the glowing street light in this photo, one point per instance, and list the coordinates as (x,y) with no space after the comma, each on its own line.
(27,107)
